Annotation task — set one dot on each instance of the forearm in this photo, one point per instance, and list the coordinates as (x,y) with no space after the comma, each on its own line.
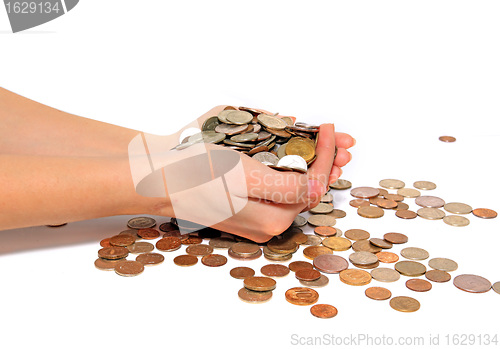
(39,190)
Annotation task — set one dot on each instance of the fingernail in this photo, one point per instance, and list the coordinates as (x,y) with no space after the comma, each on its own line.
(354,142)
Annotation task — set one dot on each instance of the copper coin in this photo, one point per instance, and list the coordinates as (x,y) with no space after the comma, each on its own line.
(131,232)
(106,264)
(150,258)
(274,270)
(337,243)
(373,201)
(324,311)
(382,243)
(365,245)
(222,243)
(370,212)
(396,238)
(123,240)
(414,253)
(247,257)
(259,283)
(401,206)
(254,297)
(410,268)
(325,231)
(214,260)
(387,204)
(330,264)
(359,203)
(168,226)
(301,296)
(295,234)
(382,192)
(424,185)
(148,233)
(337,214)
(294,266)
(385,274)
(367,266)
(190,239)
(438,275)
(429,201)
(444,264)
(141,247)
(129,268)
(496,287)
(355,277)
(185,260)
(321,220)
(341,184)
(431,213)
(484,213)
(406,214)
(280,245)
(378,293)
(418,285)
(307,274)
(241,272)
(321,282)
(105,242)
(141,223)
(312,252)
(472,283)
(364,192)
(114,252)
(168,244)
(404,304)
(175,233)
(199,250)
(409,192)
(447,139)
(357,234)
(387,257)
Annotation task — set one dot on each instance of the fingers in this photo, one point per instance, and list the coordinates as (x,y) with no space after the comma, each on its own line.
(343,157)
(343,140)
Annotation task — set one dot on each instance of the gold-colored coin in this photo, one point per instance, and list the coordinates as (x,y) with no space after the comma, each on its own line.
(456,221)
(239,117)
(254,297)
(357,234)
(337,243)
(385,275)
(321,208)
(321,282)
(414,253)
(355,277)
(321,220)
(302,147)
(431,213)
(365,245)
(443,264)
(259,283)
(409,192)
(410,268)
(283,246)
(424,185)
(392,183)
(370,212)
(457,208)
(404,304)
(312,252)
(341,184)
(271,121)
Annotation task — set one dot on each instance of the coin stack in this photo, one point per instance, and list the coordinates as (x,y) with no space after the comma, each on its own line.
(272,140)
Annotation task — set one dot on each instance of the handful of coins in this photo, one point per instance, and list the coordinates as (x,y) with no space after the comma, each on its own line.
(274,141)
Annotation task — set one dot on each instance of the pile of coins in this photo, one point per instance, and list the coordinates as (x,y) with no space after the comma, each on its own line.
(272,140)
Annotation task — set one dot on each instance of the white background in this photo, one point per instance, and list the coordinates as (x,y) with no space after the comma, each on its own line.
(394,74)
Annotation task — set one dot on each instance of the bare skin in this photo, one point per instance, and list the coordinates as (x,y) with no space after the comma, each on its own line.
(64,168)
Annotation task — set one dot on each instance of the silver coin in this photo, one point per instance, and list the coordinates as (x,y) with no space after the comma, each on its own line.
(281,151)
(222,116)
(429,201)
(299,221)
(230,130)
(327,198)
(457,208)
(414,253)
(293,161)
(363,258)
(207,137)
(267,157)
(443,264)
(239,117)
(244,137)
(141,223)
(271,121)
(313,240)
(210,124)
(456,221)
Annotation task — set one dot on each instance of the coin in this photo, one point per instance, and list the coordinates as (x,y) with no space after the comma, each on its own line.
(410,268)
(239,117)
(301,296)
(457,208)
(363,258)
(359,203)
(294,266)
(321,208)
(321,282)
(357,234)
(396,238)
(302,147)
(431,213)
(241,272)
(185,260)
(307,274)
(385,274)
(365,245)
(418,285)
(367,266)
(188,239)
(230,130)
(330,264)
(324,311)
(337,243)
(484,213)
(254,297)
(106,264)
(364,192)
(402,206)
(247,257)
(123,240)
(325,231)
(327,198)
(114,252)
(424,185)
(129,268)
(271,121)
(141,223)
(222,243)
(313,240)
(199,250)
(443,264)
(148,233)
(175,233)
(223,114)
(355,277)
(336,213)
(150,258)
(168,244)
(266,157)
(429,201)
(214,260)
(295,234)
(387,204)
(406,214)
(299,221)
(387,257)
(370,212)
(496,287)
(275,270)
(414,253)
(105,243)
(382,243)
(210,124)
(281,245)
(312,252)
(438,275)
(341,184)
(318,220)
(472,283)
(408,192)
(404,304)
(447,139)
(259,283)
(244,137)
(131,232)
(392,183)
(168,226)
(456,221)
(378,293)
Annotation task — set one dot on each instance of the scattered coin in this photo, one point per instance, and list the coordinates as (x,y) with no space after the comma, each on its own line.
(387,204)
(131,232)
(241,272)
(472,283)
(327,198)
(429,201)
(443,264)
(385,274)
(168,226)
(320,220)
(189,239)
(457,208)
(387,257)
(496,287)
(337,243)
(484,213)
(402,207)
(414,253)
(404,304)
(363,258)
(321,208)
(370,212)
(341,184)
(185,260)
(307,274)
(141,247)
(222,243)
(299,221)
(424,185)
(129,268)
(337,214)
(438,275)
(365,245)
(396,238)
(254,297)
(410,268)
(456,221)
(150,258)
(359,203)
(355,277)
(321,282)
(364,192)
(214,260)
(148,233)
(431,213)
(330,264)
(275,270)
(123,240)
(382,192)
(392,183)
(378,293)
(357,234)
(199,250)
(168,244)
(313,240)
(447,139)
(114,252)
(382,243)
(294,266)
(106,264)
(141,223)
(259,283)
(301,296)
(394,197)
(105,243)
(324,311)
(325,231)
(406,214)
(280,245)
(418,285)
